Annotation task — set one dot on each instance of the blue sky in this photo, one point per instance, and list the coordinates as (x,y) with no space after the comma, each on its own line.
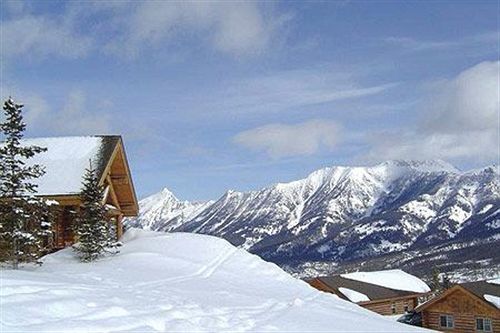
(211,96)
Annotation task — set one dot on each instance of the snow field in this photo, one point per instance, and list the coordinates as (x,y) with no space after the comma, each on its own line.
(173,282)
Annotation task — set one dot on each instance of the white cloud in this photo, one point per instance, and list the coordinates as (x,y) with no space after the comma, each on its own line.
(280,140)
(469,102)
(473,146)
(233,27)
(38,36)
(460,121)
(130,29)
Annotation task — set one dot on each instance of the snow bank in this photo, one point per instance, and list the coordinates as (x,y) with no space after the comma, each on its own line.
(493,299)
(173,282)
(394,279)
(353,295)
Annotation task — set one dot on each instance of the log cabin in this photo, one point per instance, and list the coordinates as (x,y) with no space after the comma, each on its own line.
(382,300)
(65,162)
(466,307)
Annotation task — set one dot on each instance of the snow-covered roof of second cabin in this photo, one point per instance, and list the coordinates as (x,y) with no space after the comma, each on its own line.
(370,291)
(67,158)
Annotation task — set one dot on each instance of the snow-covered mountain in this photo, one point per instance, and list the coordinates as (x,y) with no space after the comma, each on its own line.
(347,213)
(164,212)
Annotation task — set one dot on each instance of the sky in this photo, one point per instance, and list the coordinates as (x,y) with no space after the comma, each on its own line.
(211,96)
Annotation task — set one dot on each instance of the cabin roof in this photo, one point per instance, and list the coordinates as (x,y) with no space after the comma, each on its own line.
(67,158)
(372,291)
(477,289)
(481,288)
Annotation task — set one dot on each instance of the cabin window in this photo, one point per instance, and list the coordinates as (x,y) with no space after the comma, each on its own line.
(483,325)
(446,321)
(407,308)
(393,308)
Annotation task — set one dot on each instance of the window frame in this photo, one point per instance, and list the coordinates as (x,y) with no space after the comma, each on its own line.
(449,319)
(484,320)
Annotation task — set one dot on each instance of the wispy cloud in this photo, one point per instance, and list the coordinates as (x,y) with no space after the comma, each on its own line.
(419,45)
(416,45)
(282,140)
(287,90)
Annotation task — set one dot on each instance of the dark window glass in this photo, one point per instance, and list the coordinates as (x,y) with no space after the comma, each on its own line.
(443,321)
(487,325)
(479,324)
(446,321)
(483,324)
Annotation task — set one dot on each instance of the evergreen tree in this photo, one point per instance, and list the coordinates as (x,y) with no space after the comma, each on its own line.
(24,218)
(446,283)
(436,280)
(93,230)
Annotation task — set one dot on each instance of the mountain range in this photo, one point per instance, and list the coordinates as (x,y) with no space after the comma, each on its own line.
(336,218)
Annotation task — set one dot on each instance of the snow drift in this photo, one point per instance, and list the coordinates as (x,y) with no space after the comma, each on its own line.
(173,282)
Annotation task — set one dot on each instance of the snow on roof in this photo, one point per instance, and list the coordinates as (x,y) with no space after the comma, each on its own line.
(494,281)
(174,282)
(394,279)
(495,300)
(353,295)
(65,162)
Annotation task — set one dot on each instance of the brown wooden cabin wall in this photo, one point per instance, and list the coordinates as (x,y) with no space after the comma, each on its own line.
(464,308)
(464,322)
(385,307)
(64,234)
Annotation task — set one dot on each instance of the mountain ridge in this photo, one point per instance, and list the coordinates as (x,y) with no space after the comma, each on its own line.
(342,214)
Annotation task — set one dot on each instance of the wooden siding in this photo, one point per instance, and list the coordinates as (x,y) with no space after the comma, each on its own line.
(463,322)
(464,309)
(63,228)
(385,307)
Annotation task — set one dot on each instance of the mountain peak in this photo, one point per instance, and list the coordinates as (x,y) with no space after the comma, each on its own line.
(166,191)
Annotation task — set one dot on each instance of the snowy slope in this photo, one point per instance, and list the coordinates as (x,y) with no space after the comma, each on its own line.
(174,282)
(341,214)
(394,279)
